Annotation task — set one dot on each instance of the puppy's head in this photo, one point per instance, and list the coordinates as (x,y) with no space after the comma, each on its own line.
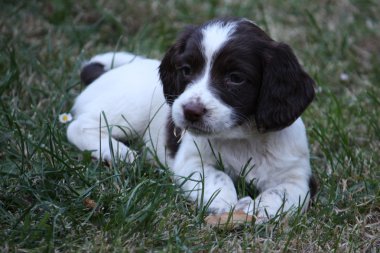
(228,72)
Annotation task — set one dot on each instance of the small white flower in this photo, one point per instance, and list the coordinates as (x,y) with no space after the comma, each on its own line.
(344,77)
(65,118)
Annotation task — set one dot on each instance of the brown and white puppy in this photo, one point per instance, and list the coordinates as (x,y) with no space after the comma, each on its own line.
(225,101)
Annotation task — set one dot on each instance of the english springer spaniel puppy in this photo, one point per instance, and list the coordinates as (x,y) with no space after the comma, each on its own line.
(224,102)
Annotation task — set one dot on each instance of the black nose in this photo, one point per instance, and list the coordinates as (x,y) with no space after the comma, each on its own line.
(194,111)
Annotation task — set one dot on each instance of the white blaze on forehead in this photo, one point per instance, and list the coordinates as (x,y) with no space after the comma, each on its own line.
(214,36)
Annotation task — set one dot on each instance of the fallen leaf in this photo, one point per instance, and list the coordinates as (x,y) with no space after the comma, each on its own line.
(89,203)
(234,219)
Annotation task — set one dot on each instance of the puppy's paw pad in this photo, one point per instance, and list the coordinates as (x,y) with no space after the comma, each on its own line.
(123,153)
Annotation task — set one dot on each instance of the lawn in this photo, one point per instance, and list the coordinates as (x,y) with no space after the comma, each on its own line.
(54,198)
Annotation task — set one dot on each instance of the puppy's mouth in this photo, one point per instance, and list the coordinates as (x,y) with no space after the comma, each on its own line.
(200,130)
(203,129)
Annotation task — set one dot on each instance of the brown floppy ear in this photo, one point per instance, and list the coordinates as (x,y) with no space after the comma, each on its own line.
(167,69)
(286,89)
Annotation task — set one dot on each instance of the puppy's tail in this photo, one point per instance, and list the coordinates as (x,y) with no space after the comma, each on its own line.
(101,63)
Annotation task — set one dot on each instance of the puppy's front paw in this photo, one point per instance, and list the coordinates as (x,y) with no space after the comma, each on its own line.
(218,207)
(250,207)
(120,152)
(246,204)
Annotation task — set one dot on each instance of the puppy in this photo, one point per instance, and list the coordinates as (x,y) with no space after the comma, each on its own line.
(224,102)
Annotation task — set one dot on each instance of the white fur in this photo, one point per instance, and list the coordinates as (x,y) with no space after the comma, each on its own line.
(128,100)
(214,37)
(130,96)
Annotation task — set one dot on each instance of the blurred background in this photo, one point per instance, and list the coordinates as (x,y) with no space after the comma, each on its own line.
(44,181)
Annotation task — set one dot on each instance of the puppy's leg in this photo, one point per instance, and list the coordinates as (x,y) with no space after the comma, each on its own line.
(206,185)
(86,135)
(275,200)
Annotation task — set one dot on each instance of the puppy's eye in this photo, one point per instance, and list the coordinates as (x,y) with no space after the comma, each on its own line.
(235,78)
(185,70)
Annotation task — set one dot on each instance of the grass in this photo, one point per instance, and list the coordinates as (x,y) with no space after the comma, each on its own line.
(54,198)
